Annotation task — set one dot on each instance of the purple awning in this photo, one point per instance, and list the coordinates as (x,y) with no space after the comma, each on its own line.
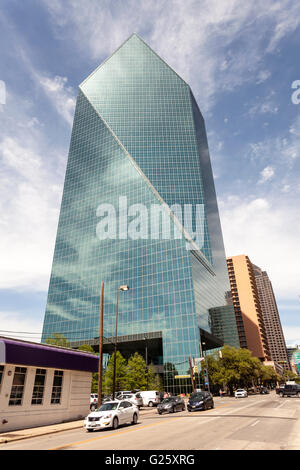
(45,356)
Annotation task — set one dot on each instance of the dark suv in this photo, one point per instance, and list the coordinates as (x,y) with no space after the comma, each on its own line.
(200,401)
(288,390)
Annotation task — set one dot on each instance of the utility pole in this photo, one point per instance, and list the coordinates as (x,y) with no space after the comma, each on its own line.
(192,374)
(100,371)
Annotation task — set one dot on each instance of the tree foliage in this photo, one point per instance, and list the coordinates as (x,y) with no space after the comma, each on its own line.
(130,375)
(238,368)
(121,374)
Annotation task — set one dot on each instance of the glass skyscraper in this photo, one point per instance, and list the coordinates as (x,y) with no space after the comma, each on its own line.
(139,142)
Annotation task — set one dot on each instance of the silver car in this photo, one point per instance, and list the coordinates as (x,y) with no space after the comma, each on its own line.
(134,398)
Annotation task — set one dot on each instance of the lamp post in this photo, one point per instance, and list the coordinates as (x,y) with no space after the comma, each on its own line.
(122,288)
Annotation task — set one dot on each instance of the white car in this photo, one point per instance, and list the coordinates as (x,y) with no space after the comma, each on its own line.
(150,397)
(111,414)
(134,398)
(240,393)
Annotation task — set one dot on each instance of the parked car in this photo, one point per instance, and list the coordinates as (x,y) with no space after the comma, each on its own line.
(123,392)
(93,401)
(288,390)
(150,397)
(241,393)
(264,391)
(170,405)
(134,398)
(200,401)
(112,414)
(107,398)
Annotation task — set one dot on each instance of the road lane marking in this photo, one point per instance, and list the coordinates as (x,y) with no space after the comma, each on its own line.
(164,420)
(72,444)
(256,422)
(281,404)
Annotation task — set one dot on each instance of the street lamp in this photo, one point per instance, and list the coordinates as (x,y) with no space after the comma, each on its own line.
(122,288)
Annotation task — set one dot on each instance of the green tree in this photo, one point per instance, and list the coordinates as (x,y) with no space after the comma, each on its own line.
(236,368)
(136,372)
(268,375)
(289,375)
(87,348)
(121,374)
(154,381)
(58,339)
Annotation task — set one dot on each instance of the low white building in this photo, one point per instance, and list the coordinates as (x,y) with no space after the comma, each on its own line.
(43,384)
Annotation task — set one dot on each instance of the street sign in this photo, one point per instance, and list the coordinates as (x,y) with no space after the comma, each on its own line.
(182,376)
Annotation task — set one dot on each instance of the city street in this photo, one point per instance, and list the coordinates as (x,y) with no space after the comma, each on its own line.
(260,422)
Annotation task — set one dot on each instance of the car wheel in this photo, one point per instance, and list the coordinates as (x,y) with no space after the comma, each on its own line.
(134,419)
(150,403)
(183,408)
(115,423)
(93,407)
(298,394)
(281,394)
(212,405)
(90,430)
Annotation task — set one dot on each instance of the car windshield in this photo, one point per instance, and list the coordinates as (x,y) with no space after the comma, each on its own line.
(197,396)
(167,400)
(240,390)
(108,407)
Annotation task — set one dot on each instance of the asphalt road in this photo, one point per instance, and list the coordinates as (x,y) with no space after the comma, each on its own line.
(260,422)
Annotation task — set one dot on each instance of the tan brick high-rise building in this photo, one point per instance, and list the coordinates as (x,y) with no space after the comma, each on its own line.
(271,318)
(247,307)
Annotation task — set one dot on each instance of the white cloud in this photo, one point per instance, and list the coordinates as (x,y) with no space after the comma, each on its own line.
(31,178)
(291,334)
(29,204)
(266,174)
(60,95)
(212,44)
(262,76)
(268,232)
(21,325)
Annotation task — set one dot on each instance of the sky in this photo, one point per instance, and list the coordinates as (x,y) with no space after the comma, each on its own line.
(241,59)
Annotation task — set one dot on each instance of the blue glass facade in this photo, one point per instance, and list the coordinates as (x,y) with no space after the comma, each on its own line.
(137,135)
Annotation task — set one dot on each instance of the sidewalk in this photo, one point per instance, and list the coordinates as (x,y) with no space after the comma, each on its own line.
(51,429)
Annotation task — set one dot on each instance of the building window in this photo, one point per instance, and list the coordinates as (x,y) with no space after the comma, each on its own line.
(17,388)
(39,385)
(57,386)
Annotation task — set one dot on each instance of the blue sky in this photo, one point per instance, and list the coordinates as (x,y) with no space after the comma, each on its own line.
(240,59)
